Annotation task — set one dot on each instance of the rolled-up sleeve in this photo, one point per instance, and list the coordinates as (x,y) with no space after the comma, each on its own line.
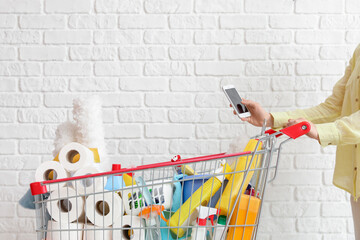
(328,134)
(349,129)
(280,119)
(325,112)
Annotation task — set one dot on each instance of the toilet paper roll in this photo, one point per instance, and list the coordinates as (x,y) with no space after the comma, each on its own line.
(88,185)
(64,205)
(129,221)
(103,209)
(50,170)
(92,232)
(68,152)
(55,231)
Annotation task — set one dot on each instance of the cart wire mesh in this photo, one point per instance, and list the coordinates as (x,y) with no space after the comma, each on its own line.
(179,199)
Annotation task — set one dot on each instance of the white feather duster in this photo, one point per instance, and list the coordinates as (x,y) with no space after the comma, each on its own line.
(65,133)
(87,115)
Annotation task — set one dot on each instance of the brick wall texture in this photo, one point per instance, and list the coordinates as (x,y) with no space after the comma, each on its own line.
(159,66)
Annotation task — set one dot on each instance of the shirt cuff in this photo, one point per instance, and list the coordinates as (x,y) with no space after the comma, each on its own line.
(280,119)
(328,134)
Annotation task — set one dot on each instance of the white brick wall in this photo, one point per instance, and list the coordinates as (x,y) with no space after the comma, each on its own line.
(159,65)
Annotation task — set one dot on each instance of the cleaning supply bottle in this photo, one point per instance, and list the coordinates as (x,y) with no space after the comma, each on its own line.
(228,197)
(128,179)
(200,231)
(246,213)
(184,168)
(204,214)
(115,182)
(219,229)
(153,234)
(151,215)
(177,192)
(200,197)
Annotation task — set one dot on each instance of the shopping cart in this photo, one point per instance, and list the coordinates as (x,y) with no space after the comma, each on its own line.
(207,197)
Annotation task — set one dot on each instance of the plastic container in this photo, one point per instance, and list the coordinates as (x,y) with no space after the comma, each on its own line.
(133,199)
(151,215)
(241,210)
(192,183)
(213,201)
(219,229)
(238,179)
(200,197)
(199,231)
(165,231)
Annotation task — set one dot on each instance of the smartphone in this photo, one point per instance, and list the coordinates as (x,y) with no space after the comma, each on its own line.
(235,100)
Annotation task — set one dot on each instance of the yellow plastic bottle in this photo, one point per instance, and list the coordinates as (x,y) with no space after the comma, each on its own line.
(200,197)
(228,197)
(185,169)
(129,181)
(248,209)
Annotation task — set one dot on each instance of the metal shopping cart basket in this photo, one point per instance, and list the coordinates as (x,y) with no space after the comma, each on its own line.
(209,197)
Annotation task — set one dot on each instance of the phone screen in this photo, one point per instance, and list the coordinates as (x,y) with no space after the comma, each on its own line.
(236,100)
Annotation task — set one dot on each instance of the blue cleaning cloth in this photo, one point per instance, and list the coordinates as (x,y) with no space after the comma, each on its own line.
(47,219)
(176,203)
(114,183)
(27,201)
(166,233)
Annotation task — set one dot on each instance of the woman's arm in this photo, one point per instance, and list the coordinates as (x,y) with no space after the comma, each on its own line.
(325,112)
(345,130)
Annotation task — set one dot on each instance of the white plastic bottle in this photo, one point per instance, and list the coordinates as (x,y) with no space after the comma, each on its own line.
(220,227)
(199,231)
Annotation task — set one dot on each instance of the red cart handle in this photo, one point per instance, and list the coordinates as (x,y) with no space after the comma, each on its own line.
(294,131)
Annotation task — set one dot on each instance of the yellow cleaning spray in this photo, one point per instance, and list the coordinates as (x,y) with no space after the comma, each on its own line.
(228,197)
(200,197)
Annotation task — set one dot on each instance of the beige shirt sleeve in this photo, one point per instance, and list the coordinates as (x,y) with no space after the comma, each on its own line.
(323,115)
(345,130)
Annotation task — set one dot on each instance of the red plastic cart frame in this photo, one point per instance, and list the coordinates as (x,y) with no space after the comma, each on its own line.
(293,132)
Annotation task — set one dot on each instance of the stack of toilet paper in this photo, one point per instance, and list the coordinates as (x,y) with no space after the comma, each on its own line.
(83,209)
(77,205)
(74,159)
(74,204)
(77,144)
(104,218)
(77,217)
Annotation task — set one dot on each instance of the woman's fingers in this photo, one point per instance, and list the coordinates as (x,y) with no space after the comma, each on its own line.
(294,121)
(248,102)
(246,119)
(234,110)
(290,122)
(251,105)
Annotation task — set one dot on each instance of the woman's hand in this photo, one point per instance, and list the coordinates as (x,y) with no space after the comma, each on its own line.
(313,133)
(258,114)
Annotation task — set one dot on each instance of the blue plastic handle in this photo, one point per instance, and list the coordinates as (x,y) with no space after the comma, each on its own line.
(144,190)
